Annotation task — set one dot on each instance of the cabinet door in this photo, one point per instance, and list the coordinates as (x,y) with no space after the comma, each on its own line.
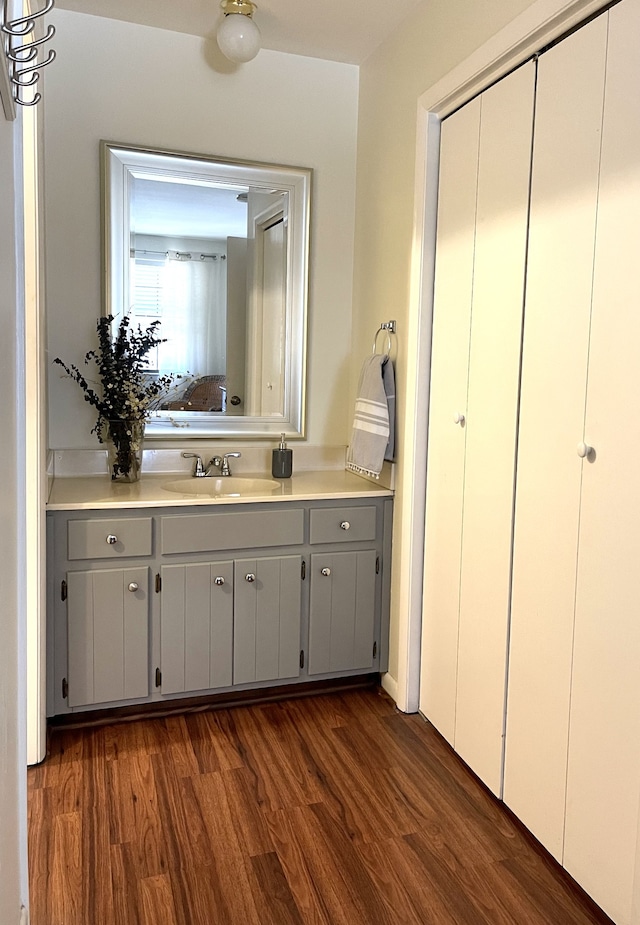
(196,626)
(554,376)
(448,399)
(267,617)
(342,614)
(108,631)
(603,778)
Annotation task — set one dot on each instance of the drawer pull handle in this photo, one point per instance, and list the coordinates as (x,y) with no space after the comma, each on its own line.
(325,571)
(345,525)
(133,586)
(219,580)
(112,539)
(250,577)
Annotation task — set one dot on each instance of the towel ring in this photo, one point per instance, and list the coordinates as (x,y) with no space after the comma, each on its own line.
(390,328)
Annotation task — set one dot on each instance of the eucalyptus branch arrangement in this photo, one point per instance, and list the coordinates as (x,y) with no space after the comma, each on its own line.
(127,392)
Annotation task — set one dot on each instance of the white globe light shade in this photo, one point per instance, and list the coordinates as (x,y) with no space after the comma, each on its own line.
(238,38)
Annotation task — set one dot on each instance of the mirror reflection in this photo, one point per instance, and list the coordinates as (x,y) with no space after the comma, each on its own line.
(217,252)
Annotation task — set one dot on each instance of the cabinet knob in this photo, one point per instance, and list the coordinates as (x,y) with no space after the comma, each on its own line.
(325,571)
(219,580)
(583,450)
(250,577)
(133,586)
(345,525)
(112,539)
(458,418)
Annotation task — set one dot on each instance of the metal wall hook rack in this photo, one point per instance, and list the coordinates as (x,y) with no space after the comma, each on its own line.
(21,51)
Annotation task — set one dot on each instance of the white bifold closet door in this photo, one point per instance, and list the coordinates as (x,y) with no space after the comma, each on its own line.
(573,734)
(480,264)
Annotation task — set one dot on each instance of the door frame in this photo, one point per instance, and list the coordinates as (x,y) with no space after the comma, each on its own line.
(543,22)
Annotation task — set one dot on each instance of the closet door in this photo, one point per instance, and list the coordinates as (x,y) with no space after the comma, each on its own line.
(492,410)
(603,781)
(554,372)
(448,405)
(482,223)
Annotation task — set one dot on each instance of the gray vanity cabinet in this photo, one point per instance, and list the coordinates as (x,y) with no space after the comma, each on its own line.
(158,604)
(196,626)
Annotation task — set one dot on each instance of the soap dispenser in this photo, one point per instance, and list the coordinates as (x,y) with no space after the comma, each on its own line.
(282,461)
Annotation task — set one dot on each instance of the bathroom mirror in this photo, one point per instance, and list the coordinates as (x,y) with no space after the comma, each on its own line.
(217,251)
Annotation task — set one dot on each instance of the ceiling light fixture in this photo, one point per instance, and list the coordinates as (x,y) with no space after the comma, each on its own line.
(238,36)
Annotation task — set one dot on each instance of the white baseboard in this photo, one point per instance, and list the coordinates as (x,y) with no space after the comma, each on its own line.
(390,685)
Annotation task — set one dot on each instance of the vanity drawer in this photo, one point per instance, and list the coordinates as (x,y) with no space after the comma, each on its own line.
(109,539)
(238,530)
(342,524)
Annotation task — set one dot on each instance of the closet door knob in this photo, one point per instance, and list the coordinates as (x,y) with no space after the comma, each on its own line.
(112,539)
(583,450)
(250,577)
(133,586)
(458,418)
(219,580)
(325,571)
(345,525)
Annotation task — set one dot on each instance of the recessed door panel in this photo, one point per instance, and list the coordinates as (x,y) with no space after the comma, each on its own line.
(447,409)
(603,781)
(554,373)
(494,366)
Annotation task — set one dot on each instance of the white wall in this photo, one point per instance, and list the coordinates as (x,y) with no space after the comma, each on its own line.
(13,869)
(136,84)
(429,43)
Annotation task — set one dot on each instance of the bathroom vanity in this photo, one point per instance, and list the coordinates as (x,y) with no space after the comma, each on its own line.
(160,595)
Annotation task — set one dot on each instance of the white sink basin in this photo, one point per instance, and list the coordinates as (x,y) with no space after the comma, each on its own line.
(222,487)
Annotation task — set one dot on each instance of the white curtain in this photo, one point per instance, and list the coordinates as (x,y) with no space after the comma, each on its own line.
(194,317)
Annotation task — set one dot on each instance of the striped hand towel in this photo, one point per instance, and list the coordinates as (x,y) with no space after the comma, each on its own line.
(373,423)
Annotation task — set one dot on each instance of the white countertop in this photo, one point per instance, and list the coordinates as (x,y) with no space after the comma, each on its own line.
(100,493)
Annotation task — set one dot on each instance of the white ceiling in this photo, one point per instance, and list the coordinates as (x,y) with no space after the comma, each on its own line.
(338,30)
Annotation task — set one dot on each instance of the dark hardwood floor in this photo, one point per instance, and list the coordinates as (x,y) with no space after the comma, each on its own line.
(335,810)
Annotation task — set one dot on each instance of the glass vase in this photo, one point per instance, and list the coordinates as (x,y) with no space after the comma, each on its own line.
(124,449)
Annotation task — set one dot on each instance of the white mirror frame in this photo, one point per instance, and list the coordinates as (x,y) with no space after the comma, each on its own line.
(120,163)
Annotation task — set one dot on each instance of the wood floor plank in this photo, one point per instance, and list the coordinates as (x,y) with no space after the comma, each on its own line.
(402,885)
(343,887)
(134,815)
(226,741)
(66,895)
(42,851)
(124,887)
(97,899)
(280,774)
(226,850)
(331,810)
(251,827)
(305,889)
(274,898)
(351,793)
(156,901)
(180,746)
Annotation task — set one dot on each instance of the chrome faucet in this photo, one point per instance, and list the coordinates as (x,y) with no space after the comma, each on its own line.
(199,471)
(224,468)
